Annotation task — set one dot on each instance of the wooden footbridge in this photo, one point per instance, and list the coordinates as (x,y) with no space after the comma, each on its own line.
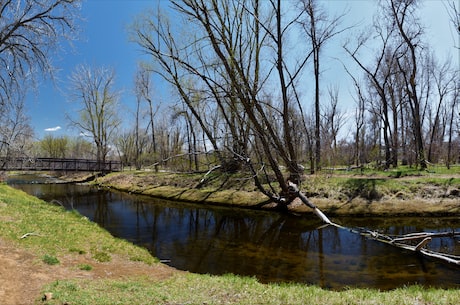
(58,164)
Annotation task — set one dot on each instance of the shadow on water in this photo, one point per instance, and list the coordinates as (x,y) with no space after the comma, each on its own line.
(270,246)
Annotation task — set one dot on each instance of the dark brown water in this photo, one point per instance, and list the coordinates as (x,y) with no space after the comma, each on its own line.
(270,246)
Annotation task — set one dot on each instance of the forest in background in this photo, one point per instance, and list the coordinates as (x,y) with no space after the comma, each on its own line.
(239,90)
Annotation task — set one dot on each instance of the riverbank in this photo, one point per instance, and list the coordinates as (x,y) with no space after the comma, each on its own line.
(339,195)
(52,256)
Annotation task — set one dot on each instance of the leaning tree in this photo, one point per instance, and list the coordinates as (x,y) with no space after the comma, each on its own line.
(233,62)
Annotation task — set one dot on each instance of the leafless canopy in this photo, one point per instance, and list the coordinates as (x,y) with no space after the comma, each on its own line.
(93,89)
(30,30)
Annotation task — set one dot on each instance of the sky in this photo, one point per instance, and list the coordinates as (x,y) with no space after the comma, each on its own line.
(103,41)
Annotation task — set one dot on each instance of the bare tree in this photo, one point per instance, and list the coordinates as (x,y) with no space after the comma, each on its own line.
(453,10)
(378,75)
(144,91)
(332,122)
(403,15)
(444,79)
(93,90)
(454,113)
(319,28)
(15,129)
(359,130)
(30,30)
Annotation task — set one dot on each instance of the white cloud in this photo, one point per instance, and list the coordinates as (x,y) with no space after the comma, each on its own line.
(53,128)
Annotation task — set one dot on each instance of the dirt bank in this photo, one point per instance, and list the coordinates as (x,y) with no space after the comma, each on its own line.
(23,274)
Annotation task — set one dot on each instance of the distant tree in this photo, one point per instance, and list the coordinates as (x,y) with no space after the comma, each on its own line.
(359,123)
(80,148)
(403,16)
(319,28)
(444,82)
(54,147)
(401,84)
(378,75)
(453,123)
(126,147)
(331,123)
(93,90)
(143,89)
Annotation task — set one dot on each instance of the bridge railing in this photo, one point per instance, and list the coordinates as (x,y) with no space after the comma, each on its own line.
(57,164)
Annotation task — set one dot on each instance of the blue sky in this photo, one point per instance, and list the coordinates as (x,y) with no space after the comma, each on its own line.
(104,42)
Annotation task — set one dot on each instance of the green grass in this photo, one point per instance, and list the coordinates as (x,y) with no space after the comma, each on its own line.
(400,171)
(53,231)
(231,289)
(374,186)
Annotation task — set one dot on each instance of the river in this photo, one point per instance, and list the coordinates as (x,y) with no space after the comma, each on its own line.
(271,246)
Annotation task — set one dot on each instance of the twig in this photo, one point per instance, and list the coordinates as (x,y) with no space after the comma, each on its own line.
(29,234)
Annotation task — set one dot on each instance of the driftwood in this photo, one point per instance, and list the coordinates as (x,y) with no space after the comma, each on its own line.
(421,239)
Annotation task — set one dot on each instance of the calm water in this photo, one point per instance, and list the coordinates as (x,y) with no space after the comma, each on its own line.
(270,246)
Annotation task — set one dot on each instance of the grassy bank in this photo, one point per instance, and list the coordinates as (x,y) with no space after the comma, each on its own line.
(56,236)
(405,192)
(230,289)
(49,230)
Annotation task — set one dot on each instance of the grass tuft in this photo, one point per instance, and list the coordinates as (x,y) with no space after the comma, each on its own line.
(85,267)
(50,260)
(102,257)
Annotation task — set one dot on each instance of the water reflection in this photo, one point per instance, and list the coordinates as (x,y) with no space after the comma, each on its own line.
(273,247)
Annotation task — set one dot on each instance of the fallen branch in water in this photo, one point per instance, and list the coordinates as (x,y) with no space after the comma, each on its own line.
(397,241)
(420,247)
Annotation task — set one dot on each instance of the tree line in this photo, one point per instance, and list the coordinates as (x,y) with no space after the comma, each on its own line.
(239,90)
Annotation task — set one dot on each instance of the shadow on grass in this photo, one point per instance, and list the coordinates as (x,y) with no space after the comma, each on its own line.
(363,187)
